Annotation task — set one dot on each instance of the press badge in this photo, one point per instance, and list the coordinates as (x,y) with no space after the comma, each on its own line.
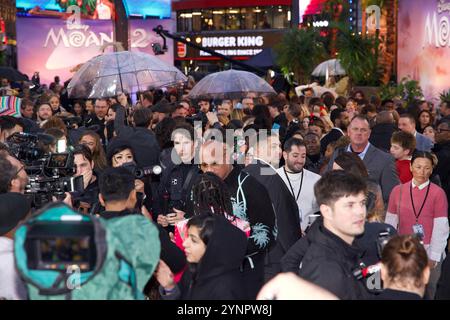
(418,231)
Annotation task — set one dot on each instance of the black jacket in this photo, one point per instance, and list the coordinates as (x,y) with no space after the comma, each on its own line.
(290,131)
(251,199)
(329,263)
(367,242)
(282,122)
(93,120)
(381,135)
(442,169)
(89,195)
(142,140)
(175,187)
(390,294)
(217,276)
(286,213)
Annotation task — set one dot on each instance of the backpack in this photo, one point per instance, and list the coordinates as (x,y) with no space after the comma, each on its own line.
(62,254)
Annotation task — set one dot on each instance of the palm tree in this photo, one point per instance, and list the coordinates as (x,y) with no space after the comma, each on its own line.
(357,54)
(299,52)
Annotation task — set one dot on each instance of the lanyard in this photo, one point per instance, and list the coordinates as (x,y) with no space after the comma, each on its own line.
(290,185)
(423,203)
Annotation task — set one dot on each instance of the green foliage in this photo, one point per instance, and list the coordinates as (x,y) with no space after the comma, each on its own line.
(445,96)
(367,3)
(359,56)
(407,90)
(299,52)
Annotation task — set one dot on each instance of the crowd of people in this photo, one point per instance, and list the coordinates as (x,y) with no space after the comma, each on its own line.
(288,196)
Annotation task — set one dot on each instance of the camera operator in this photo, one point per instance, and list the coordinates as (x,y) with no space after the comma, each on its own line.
(13,177)
(8,126)
(118,196)
(84,164)
(120,153)
(14,209)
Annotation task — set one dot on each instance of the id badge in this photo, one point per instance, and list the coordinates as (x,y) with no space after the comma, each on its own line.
(418,231)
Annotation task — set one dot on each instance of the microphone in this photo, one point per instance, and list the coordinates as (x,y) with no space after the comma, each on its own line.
(363,272)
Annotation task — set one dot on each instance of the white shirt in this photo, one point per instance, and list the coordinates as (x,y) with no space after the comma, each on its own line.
(422,186)
(11,286)
(306,202)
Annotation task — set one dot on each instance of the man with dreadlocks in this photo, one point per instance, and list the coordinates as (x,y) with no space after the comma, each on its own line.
(250,208)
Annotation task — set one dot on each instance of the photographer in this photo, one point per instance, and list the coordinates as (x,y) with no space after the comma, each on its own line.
(13,177)
(8,126)
(84,164)
(120,153)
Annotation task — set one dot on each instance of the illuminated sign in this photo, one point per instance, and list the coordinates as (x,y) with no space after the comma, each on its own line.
(43,4)
(92,9)
(56,46)
(437,33)
(424,44)
(227,42)
(232,44)
(156,8)
(181,49)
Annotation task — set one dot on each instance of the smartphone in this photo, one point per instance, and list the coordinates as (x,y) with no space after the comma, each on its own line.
(61,146)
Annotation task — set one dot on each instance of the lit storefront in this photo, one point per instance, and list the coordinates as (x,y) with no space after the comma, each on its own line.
(238,29)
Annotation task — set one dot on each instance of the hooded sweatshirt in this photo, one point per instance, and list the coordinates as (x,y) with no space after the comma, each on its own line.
(217,275)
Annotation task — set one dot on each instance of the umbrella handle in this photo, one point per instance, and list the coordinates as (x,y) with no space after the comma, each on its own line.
(117,45)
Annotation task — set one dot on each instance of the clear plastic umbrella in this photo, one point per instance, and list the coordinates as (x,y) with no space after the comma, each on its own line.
(333,66)
(110,74)
(231,84)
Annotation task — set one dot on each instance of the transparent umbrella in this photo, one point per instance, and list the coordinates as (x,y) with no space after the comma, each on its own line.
(333,66)
(110,74)
(231,84)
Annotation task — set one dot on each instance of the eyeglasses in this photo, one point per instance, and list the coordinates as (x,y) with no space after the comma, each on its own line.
(18,171)
(439,130)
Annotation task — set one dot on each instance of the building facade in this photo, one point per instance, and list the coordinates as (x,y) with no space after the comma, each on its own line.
(238,29)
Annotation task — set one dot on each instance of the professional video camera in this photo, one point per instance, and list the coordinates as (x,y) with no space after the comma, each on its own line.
(25,146)
(50,174)
(58,248)
(43,186)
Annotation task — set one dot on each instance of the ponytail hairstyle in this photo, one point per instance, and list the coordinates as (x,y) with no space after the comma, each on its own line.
(405,258)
